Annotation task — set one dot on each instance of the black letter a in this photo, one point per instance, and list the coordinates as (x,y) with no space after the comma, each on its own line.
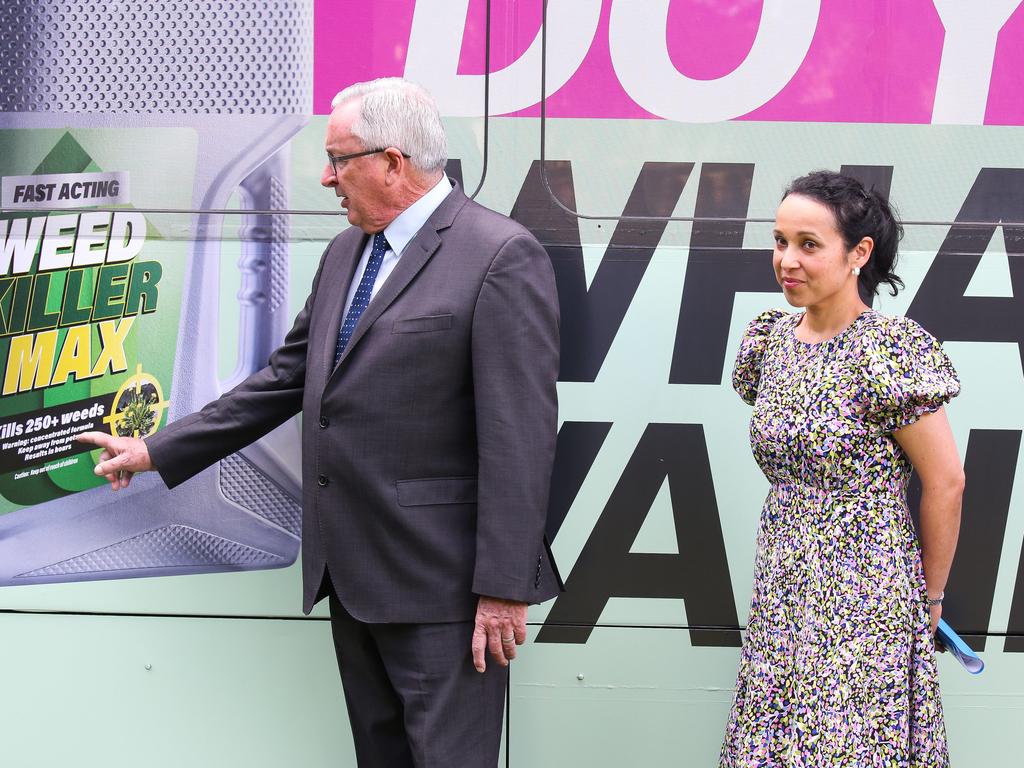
(606,568)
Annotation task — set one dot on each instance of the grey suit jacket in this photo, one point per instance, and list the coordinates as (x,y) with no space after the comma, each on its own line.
(427,451)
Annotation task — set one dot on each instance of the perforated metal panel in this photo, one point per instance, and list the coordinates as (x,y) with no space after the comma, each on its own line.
(250,489)
(278,245)
(212,56)
(172,545)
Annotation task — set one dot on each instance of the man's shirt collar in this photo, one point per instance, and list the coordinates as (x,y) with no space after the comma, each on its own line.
(410,221)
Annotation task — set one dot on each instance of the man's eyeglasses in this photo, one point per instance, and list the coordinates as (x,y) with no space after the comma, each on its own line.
(338,161)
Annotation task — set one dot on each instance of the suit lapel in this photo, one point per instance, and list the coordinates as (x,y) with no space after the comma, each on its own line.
(417,253)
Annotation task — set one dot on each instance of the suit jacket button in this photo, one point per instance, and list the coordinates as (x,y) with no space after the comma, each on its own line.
(322,480)
(324,422)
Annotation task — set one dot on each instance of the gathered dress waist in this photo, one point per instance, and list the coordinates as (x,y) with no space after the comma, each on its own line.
(791,489)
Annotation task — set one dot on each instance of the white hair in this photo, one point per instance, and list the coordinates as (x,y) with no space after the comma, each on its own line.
(394,112)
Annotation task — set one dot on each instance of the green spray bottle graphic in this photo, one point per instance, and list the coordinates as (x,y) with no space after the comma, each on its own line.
(244,512)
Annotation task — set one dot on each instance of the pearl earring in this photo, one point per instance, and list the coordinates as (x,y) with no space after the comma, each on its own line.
(856,271)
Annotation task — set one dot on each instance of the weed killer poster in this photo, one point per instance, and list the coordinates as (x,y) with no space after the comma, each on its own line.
(88,310)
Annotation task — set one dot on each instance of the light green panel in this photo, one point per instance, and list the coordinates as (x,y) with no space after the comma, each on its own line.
(259,693)
(983,714)
(648,698)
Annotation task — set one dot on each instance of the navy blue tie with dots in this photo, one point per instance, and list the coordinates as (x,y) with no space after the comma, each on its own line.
(363,293)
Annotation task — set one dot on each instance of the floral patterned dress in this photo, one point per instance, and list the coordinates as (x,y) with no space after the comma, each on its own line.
(838,664)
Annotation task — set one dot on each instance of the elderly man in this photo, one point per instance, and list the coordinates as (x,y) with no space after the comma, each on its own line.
(424,363)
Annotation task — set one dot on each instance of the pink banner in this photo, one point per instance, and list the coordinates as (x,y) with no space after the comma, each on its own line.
(875,61)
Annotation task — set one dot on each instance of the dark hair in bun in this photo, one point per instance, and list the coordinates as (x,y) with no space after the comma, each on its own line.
(859,213)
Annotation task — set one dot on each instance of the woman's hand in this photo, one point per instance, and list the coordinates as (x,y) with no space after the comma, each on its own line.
(936,614)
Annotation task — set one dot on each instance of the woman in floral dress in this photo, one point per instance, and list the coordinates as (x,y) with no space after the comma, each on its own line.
(838,661)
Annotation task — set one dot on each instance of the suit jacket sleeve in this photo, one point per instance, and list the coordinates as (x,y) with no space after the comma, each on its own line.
(240,416)
(515,368)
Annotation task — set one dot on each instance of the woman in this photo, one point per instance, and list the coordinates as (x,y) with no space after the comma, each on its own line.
(838,662)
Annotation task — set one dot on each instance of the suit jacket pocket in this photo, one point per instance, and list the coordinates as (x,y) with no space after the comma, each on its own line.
(423,324)
(436,490)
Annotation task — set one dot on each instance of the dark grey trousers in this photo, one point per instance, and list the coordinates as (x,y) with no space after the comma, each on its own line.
(414,699)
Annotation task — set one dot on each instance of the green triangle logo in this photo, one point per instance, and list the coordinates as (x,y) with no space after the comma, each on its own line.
(68,156)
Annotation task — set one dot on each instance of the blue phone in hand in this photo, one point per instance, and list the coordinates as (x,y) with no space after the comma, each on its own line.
(962,652)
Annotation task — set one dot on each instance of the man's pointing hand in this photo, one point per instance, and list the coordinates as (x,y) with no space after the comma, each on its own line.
(121,458)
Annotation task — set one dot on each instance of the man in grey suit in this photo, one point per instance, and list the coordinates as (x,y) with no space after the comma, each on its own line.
(424,364)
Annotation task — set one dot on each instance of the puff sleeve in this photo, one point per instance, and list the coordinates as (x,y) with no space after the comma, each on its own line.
(908,375)
(746,373)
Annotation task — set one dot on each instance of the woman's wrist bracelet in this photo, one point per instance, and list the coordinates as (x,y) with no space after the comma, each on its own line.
(933,601)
